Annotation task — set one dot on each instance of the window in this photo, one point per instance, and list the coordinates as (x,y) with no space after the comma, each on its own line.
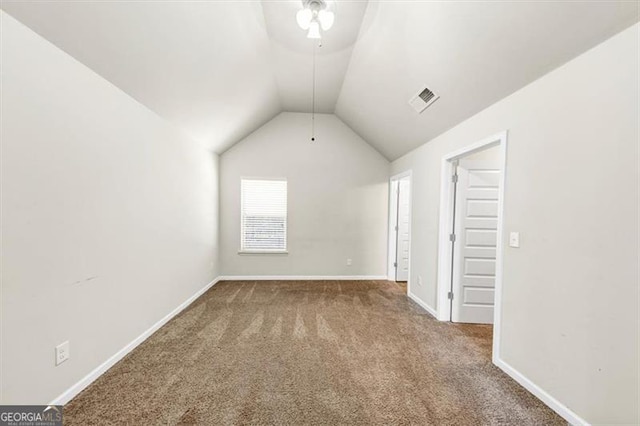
(264,215)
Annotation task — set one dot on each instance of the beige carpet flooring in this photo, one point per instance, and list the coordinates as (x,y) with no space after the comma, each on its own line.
(309,352)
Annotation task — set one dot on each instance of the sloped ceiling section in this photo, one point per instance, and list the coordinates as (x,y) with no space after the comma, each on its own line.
(204,66)
(221,69)
(217,69)
(292,54)
(472,54)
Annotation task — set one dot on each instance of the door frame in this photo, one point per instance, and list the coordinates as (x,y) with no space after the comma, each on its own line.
(445,266)
(391,233)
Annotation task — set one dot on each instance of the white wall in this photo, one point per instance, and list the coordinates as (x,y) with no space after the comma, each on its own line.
(570,299)
(108,217)
(337,198)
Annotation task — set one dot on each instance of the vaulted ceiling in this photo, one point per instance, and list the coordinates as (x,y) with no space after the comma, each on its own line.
(220,69)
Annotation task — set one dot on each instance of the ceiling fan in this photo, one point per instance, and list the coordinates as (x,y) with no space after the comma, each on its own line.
(315,17)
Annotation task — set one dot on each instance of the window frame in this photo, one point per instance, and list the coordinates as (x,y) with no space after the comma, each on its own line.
(284,251)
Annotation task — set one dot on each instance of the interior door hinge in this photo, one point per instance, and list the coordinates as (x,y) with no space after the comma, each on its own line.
(395,264)
(396,227)
(452,237)
(454,178)
(450,295)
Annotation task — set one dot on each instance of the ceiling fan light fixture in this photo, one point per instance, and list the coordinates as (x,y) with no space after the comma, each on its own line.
(315,17)
(304,17)
(326,19)
(314,30)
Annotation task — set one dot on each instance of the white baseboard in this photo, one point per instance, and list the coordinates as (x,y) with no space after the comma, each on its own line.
(67,395)
(423,305)
(301,277)
(550,401)
(79,386)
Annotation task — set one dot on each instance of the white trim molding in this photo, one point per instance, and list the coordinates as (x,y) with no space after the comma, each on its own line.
(261,252)
(445,267)
(423,305)
(79,386)
(445,223)
(553,403)
(391,232)
(301,277)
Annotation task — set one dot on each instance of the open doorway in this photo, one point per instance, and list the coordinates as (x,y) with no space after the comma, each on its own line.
(400,229)
(474,231)
(471,229)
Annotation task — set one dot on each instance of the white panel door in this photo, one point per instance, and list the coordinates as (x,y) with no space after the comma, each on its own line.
(403,234)
(476,226)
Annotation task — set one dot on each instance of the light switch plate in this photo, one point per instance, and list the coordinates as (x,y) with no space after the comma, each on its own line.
(514,239)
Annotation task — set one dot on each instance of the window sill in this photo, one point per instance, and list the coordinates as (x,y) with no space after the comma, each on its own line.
(276,252)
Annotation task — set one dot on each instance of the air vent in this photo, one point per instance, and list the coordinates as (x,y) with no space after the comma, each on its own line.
(422,100)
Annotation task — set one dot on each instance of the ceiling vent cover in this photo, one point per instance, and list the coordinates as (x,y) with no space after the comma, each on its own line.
(423,99)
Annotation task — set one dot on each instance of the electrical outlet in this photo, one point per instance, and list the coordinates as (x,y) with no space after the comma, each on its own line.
(349,262)
(419,279)
(62,352)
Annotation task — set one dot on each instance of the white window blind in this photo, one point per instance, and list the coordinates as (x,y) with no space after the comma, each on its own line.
(264,215)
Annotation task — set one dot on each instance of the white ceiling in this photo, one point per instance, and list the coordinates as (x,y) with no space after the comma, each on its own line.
(292,54)
(472,54)
(220,69)
(204,66)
